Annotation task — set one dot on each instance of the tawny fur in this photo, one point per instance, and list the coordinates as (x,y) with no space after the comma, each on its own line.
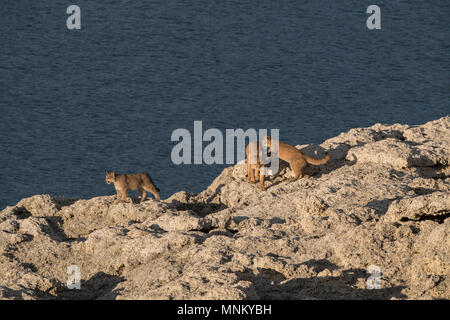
(297,160)
(138,181)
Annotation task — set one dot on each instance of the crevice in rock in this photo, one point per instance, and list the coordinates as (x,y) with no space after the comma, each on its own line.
(423,191)
(439,217)
(29,266)
(208,230)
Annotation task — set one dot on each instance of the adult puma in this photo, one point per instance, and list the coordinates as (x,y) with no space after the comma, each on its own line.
(297,160)
(125,182)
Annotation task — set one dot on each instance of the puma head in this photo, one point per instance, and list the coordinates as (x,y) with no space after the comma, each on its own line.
(110,177)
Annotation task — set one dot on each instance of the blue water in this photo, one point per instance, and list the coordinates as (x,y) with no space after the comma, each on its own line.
(75,103)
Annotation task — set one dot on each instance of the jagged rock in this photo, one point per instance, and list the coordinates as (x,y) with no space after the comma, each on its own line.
(39,205)
(399,154)
(431,206)
(382,201)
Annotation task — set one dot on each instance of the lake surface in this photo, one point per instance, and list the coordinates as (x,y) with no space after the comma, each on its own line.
(76,103)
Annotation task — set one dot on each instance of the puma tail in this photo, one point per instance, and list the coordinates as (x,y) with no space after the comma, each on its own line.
(317,161)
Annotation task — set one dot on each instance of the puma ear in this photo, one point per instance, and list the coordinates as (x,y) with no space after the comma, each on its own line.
(113,175)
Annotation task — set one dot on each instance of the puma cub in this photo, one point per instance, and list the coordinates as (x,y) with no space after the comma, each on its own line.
(125,182)
(297,160)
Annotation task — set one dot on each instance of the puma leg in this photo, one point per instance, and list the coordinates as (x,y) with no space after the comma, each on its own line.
(121,196)
(124,195)
(248,168)
(118,197)
(143,194)
(261,182)
(156,194)
(297,167)
(153,190)
(251,173)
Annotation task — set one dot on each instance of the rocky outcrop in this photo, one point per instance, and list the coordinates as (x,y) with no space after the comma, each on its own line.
(381,203)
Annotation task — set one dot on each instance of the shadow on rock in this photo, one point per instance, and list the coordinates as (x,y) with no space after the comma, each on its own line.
(201,207)
(21,213)
(380,206)
(326,284)
(54,229)
(64,202)
(22,293)
(337,159)
(99,286)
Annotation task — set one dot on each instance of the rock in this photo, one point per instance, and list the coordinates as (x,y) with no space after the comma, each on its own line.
(312,205)
(431,206)
(399,154)
(382,201)
(182,221)
(40,205)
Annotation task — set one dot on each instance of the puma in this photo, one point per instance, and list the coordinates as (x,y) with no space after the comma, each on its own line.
(125,182)
(297,160)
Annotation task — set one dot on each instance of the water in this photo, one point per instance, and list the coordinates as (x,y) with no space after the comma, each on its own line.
(76,103)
